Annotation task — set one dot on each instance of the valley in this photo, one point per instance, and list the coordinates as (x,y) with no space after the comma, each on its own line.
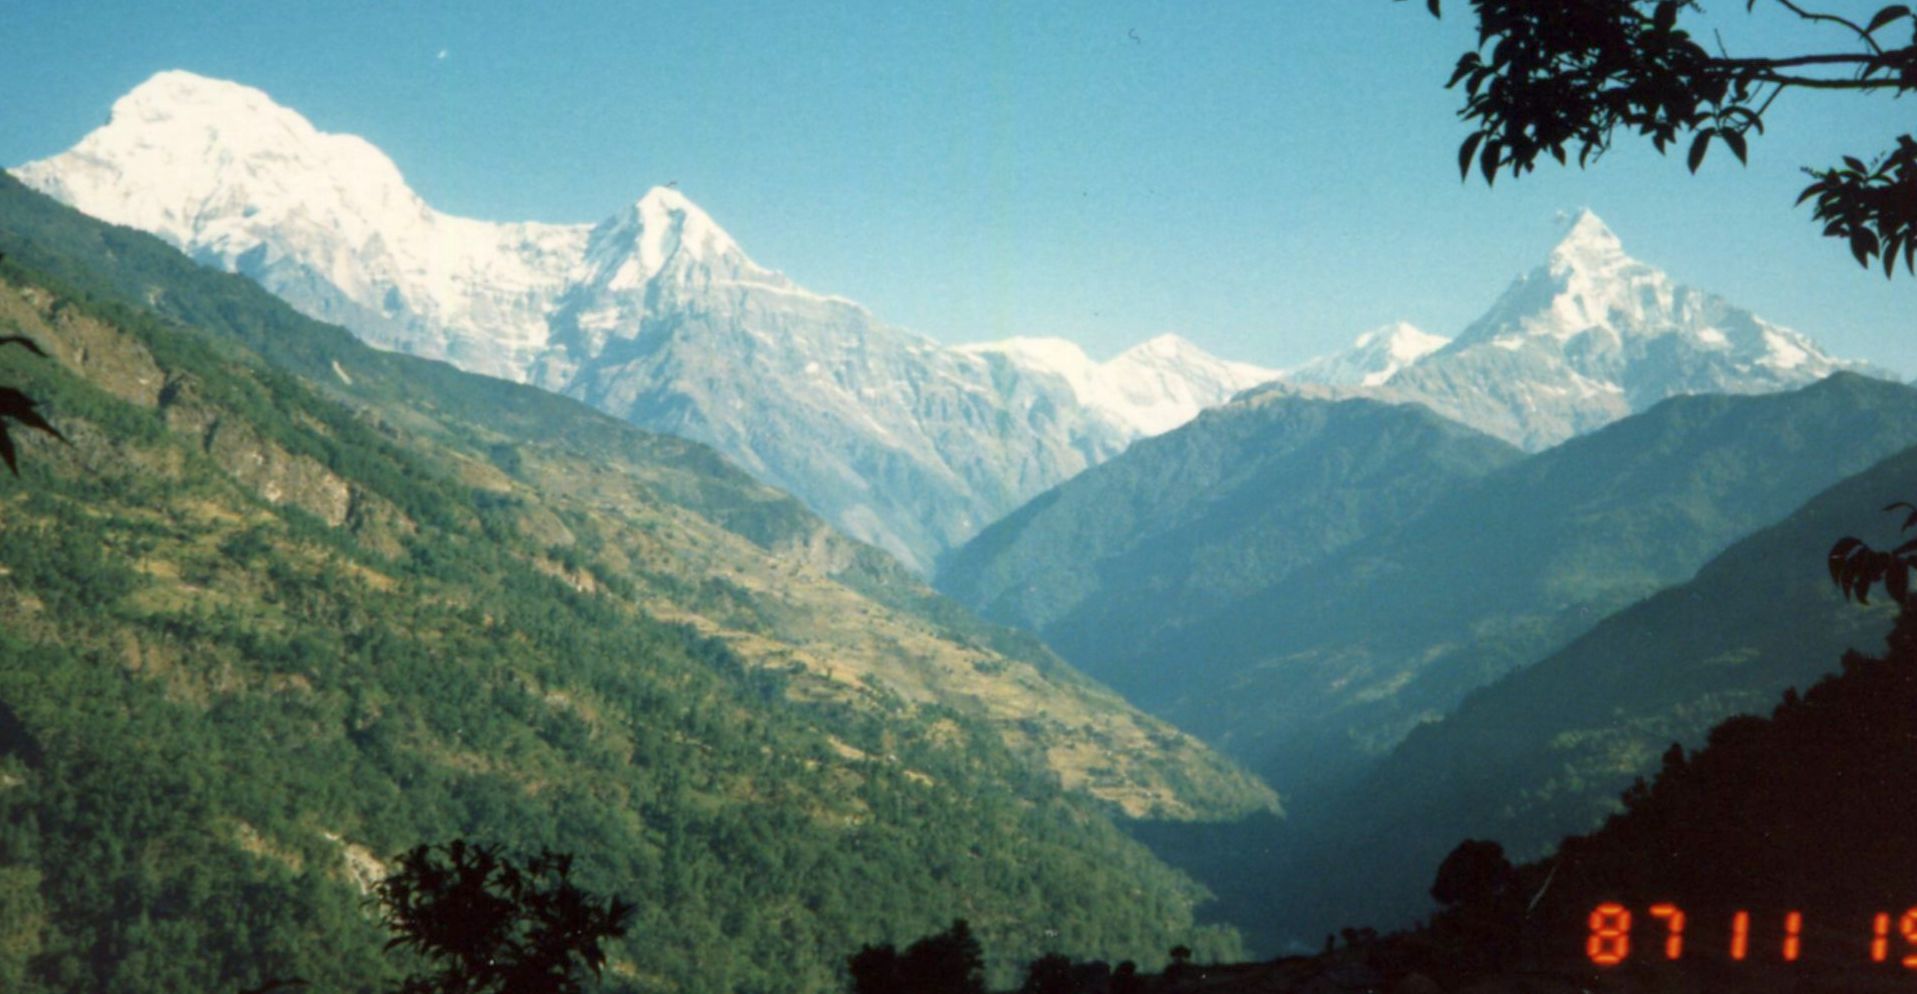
(827,644)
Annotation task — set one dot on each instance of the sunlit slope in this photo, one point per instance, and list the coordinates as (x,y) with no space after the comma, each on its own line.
(674,515)
(269,621)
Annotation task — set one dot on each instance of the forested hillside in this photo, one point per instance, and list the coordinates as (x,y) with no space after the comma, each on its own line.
(1224,507)
(284,606)
(1545,752)
(1308,677)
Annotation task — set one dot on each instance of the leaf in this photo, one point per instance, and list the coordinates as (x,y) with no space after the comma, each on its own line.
(1863,245)
(1699,146)
(1735,139)
(19,407)
(1466,152)
(1488,161)
(1839,553)
(1885,16)
(1665,17)
(1897,582)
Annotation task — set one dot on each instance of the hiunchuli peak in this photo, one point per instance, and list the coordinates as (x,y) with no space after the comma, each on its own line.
(664,233)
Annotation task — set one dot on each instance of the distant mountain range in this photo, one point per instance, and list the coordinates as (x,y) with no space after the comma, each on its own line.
(1304,580)
(1372,360)
(1228,573)
(655,315)
(658,316)
(1149,388)
(1584,339)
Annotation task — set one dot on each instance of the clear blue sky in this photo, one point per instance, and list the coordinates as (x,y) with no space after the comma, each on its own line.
(1267,178)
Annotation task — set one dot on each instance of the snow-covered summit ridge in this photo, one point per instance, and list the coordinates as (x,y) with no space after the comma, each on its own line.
(1373,358)
(665,234)
(1148,389)
(239,181)
(1592,335)
(1592,297)
(179,152)
(654,314)
(1588,244)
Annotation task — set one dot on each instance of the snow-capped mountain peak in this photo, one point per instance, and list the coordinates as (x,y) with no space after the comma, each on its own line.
(1593,335)
(1373,358)
(1148,389)
(182,99)
(180,151)
(1589,244)
(1168,347)
(672,223)
(326,220)
(664,233)
(654,314)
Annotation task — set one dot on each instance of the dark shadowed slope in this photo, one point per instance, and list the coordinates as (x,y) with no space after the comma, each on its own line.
(1221,509)
(1347,655)
(1546,751)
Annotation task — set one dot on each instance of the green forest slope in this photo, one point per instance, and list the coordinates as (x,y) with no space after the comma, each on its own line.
(285,606)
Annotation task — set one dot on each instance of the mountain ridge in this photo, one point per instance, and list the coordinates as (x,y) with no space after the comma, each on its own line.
(1545,751)
(1592,335)
(654,314)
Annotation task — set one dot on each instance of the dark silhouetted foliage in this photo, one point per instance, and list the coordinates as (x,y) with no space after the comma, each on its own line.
(1051,973)
(949,962)
(15,405)
(1809,809)
(1855,567)
(1475,873)
(1555,78)
(489,925)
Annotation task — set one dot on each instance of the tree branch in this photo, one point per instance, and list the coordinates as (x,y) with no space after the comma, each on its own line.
(1819,83)
(1834,59)
(1812,15)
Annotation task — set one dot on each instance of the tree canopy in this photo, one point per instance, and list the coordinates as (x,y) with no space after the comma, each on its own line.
(489,925)
(1561,78)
